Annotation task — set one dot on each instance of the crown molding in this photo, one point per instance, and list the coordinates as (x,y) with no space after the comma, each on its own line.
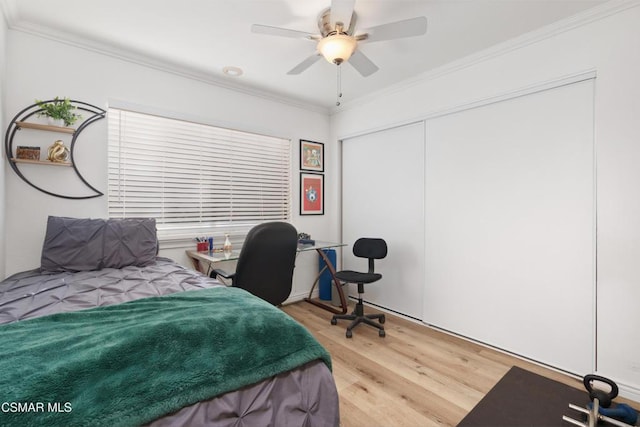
(586,17)
(149,61)
(9,9)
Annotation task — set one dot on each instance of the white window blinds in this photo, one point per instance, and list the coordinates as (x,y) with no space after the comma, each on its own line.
(189,175)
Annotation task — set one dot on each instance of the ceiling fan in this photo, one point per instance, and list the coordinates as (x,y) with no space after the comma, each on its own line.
(338,41)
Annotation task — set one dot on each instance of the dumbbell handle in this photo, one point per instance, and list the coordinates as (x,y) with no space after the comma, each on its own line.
(587,381)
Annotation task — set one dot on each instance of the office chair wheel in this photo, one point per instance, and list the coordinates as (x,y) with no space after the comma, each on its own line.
(349,334)
(381,320)
(334,321)
(381,332)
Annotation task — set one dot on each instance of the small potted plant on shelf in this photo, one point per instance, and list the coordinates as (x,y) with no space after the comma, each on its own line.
(59,111)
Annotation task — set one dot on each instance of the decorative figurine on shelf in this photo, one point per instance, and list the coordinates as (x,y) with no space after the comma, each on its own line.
(58,152)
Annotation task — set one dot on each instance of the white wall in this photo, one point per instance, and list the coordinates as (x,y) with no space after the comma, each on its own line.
(3,62)
(610,45)
(39,68)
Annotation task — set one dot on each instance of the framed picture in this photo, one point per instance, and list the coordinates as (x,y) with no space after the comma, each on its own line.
(311,194)
(311,156)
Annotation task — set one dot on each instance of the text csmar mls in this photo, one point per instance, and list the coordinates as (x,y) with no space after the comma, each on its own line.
(35,407)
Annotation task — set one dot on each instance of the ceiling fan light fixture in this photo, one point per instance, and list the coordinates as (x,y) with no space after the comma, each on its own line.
(337,48)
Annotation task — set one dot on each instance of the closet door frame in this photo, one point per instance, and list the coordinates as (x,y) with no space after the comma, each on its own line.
(591,311)
(467,217)
(383,196)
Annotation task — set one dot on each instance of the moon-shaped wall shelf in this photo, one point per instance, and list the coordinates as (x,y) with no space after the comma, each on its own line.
(21,121)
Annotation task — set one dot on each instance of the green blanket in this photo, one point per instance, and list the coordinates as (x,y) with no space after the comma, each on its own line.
(131,363)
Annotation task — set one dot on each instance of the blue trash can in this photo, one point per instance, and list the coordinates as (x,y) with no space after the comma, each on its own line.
(325,277)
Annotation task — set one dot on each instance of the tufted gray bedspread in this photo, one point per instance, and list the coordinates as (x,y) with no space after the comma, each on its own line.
(305,396)
(33,294)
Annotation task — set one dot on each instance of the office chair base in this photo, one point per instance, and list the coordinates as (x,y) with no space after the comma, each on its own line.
(359,317)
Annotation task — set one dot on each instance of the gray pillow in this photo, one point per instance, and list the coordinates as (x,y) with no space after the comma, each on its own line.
(72,244)
(130,241)
(83,244)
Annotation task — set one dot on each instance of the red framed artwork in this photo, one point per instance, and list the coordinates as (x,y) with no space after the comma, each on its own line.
(311,194)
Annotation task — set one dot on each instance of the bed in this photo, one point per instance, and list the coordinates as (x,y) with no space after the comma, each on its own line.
(105,332)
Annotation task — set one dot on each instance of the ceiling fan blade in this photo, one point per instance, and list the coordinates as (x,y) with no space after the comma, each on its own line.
(362,63)
(305,64)
(281,32)
(396,30)
(342,11)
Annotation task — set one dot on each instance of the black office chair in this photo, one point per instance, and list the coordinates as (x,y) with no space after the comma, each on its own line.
(364,248)
(266,262)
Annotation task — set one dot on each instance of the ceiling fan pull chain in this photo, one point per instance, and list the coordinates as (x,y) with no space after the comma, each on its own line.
(339,89)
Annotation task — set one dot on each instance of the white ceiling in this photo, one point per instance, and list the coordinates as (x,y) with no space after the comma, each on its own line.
(200,37)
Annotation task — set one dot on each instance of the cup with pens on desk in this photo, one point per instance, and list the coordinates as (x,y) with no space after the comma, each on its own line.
(204,244)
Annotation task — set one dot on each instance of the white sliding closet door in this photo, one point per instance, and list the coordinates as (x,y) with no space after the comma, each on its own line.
(510,225)
(383,196)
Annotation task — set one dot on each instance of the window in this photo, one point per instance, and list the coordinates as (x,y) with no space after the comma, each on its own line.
(191,176)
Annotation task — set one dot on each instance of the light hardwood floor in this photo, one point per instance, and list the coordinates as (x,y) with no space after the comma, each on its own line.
(415,376)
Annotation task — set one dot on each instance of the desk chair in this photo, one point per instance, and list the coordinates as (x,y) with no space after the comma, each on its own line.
(371,249)
(266,262)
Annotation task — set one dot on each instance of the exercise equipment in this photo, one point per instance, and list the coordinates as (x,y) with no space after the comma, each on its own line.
(599,411)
